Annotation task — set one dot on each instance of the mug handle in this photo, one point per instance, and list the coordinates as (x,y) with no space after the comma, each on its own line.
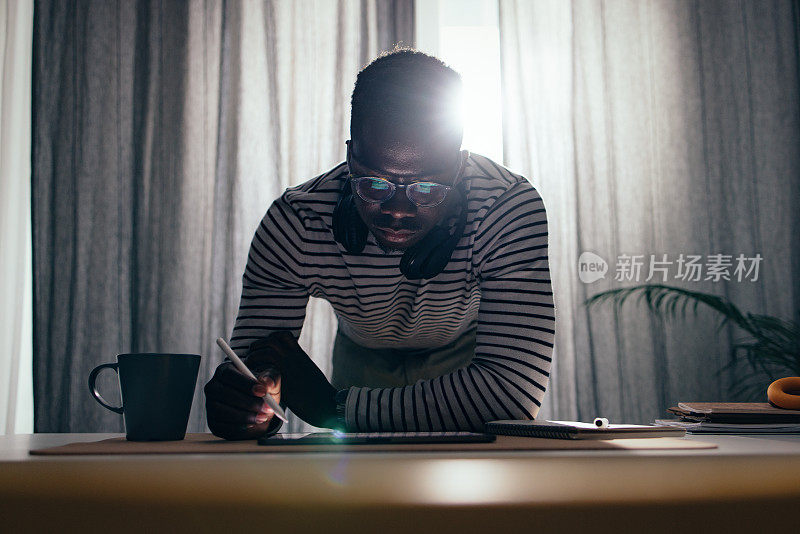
(93,388)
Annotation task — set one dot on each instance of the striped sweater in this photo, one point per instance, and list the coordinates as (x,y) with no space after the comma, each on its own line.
(497,282)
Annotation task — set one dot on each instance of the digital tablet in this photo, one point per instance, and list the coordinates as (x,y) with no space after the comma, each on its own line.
(374,438)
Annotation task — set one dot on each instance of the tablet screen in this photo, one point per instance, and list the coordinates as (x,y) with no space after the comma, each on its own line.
(374,438)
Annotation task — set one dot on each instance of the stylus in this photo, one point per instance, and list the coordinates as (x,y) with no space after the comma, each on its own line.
(242,368)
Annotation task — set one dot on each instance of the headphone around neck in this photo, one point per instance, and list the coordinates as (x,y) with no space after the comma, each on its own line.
(425,260)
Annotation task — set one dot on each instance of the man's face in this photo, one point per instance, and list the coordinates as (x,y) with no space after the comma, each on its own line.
(398,223)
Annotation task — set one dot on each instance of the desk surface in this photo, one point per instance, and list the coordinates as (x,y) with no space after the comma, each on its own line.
(748,484)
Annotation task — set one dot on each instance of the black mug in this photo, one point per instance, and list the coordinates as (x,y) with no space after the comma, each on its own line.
(157,391)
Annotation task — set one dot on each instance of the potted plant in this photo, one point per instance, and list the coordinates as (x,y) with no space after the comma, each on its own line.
(770,348)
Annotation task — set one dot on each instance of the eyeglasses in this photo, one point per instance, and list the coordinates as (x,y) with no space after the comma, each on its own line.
(375,189)
(423,194)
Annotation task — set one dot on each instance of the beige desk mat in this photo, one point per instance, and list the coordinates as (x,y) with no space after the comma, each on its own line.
(209,444)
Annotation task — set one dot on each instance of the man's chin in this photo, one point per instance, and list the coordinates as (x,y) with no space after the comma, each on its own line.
(389,248)
(392,247)
(392,244)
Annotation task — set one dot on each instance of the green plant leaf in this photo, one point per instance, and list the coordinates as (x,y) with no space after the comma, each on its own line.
(771,348)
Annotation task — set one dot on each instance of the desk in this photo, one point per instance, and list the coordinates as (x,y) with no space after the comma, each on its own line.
(748,484)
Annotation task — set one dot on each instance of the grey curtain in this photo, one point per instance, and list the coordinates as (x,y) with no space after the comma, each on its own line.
(162,131)
(16,400)
(655,127)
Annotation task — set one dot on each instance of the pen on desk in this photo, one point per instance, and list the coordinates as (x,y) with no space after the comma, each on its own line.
(601,422)
(242,368)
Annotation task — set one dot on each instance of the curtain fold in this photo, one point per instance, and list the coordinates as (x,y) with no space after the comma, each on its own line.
(162,132)
(16,399)
(655,128)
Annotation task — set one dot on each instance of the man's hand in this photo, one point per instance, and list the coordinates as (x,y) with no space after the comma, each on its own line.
(235,407)
(306,391)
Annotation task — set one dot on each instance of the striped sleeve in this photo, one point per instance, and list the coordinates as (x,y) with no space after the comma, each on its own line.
(509,373)
(274,296)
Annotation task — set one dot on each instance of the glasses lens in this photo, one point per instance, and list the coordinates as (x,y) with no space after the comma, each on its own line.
(374,189)
(427,193)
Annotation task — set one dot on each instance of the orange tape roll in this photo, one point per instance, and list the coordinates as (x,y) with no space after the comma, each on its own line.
(785,393)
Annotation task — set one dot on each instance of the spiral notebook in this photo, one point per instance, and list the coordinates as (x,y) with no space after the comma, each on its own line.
(577,430)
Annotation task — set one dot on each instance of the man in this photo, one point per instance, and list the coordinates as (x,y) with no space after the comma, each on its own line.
(434,260)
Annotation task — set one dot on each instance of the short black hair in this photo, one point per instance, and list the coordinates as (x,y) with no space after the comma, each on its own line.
(409,90)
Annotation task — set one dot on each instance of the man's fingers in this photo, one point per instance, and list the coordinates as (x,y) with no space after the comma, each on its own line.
(230,431)
(225,414)
(219,392)
(271,384)
(230,376)
(235,406)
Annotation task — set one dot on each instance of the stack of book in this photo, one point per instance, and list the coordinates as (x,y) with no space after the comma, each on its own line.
(733,418)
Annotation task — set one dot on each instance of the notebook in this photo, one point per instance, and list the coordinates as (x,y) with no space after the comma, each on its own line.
(702,427)
(735,412)
(577,430)
(374,438)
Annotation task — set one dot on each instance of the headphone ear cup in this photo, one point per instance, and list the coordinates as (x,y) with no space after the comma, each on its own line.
(348,228)
(338,220)
(429,257)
